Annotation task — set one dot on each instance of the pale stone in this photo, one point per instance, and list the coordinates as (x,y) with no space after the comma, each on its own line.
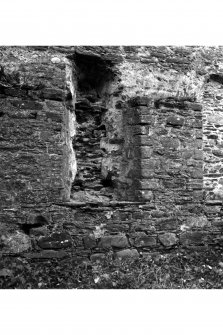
(55,60)
(16,243)
(168,239)
(127,253)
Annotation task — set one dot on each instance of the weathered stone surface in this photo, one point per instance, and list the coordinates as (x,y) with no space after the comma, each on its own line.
(193,238)
(45,254)
(97,257)
(195,222)
(140,123)
(90,241)
(168,239)
(127,253)
(118,241)
(145,241)
(55,241)
(15,243)
(194,106)
(36,220)
(175,121)
(39,231)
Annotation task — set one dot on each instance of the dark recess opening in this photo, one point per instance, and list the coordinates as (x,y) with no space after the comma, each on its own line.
(93,75)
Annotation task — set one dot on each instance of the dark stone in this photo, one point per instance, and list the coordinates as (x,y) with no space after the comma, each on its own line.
(118,241)
(34,219)
(26,104)
(175,121)
(213,136)
(47,254)
(170,103)
(218,77)
(55,241)
(39,231)
(89,241)
(52,94)
(141,101)
(192,238)
(168,239)
(167,223)
(218,153)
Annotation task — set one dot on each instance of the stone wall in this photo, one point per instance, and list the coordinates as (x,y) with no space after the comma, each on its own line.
(110,149)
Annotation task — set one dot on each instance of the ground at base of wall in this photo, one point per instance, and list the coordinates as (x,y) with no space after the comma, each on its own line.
(177,269)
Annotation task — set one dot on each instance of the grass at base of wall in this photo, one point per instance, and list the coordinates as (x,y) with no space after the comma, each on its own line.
(177,269)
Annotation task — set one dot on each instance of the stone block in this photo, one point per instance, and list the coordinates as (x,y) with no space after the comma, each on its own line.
(15,243)
(140,130)
(145,152)
(175,121)
(145,241)
(55,241)
(143,140)
(127,253)
(168,239)
(145,195)
(194,106)
(99,257)
(192,238)
(47,254)
(89,241)
(152,184)
(52,94)
(147,173)
(39,231)
(143,119)
(141,101)
(118,241)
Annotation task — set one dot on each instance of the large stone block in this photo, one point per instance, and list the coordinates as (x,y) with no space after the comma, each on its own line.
(193,238)
(118,241)
(15,243)
(145,241)
(175,121)
(168,239)
(127,253)
(55,241)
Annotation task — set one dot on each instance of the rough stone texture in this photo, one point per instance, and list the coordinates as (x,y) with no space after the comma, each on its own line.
(55,241)
(143,240)
(15,243)
(37,160)
(118,147)
(117,241)
(168,239)
(127,253)
(47,254)
(97,257)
